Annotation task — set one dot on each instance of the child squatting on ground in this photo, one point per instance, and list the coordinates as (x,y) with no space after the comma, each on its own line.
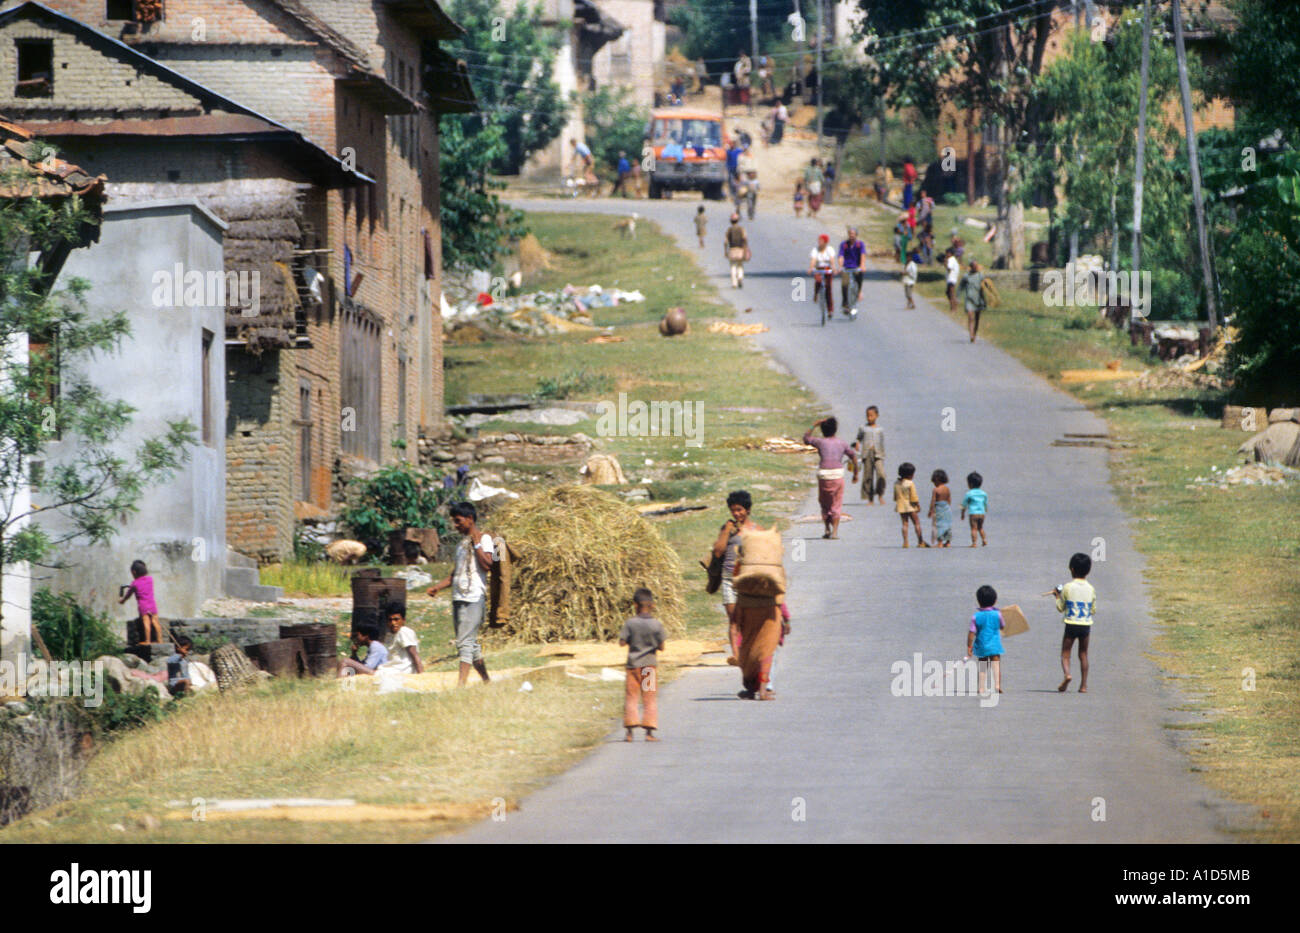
(644,636)
(977,503)
(907,503)
(1078,601)
(984,640)
(142,589)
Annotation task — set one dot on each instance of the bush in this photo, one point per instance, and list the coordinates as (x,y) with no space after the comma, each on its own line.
(1174,296)
(70,631)
(954,198)
(397,496)
(613,123)
(573,382)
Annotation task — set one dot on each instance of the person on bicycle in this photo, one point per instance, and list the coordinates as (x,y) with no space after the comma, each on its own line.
(851,255)
(821,265)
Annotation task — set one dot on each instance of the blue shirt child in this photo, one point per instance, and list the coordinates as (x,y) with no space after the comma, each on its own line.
(976,501)
(987,625)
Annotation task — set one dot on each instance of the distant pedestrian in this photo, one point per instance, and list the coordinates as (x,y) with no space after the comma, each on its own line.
(909,180)
(909,278)
(924,207)
(984,640)
(977,503)
(1078,600)
(902,239)
(829,174)
(743,69)
(972,292)
(624,171)
(953,273)
(644,637)
(815,181)
(780,116)
(799,195)
(907,503)
(701,224)
(736,246)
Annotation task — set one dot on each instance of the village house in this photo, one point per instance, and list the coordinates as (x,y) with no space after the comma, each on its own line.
(635,59)
(339,369)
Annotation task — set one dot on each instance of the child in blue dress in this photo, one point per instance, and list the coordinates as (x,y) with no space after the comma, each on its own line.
(984,640)
(977,503)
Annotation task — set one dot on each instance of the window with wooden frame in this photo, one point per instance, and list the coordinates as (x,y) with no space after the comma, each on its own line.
(35,68)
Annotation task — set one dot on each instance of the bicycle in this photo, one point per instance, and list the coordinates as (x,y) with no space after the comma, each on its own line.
(823,279)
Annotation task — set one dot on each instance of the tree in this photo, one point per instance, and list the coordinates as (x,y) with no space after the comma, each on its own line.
(614,124)
(981,56)
(717,30)
(511,61)
(91,488)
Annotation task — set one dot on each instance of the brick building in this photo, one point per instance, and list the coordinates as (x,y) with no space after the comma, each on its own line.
(342,370)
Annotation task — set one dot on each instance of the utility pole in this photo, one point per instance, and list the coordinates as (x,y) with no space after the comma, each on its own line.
(821,78)
(1140,164)
(1194,163)
(753,28)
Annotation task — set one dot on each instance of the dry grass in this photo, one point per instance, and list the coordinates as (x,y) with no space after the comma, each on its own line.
(317,739)
(582,554)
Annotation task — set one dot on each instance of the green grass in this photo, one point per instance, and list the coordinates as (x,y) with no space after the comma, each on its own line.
(1220,563)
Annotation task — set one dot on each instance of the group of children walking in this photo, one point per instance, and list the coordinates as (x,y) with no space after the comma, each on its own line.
(870,449)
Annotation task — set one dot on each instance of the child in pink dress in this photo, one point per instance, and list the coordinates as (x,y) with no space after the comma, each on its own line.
(142,589)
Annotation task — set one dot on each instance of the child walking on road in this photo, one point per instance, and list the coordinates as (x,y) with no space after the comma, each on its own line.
(870,447)
(984,640)
(977,503)
(941,509)
(908,503)
(701,223)
(644,636)
(1078,600)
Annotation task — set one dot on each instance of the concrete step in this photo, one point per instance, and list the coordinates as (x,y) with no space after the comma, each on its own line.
(235,559)
(242,583)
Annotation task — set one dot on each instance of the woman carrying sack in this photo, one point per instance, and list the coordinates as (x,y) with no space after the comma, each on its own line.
(736,246)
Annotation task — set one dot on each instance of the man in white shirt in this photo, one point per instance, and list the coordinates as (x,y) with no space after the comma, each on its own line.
(403,646)
(469,587)
(954,273)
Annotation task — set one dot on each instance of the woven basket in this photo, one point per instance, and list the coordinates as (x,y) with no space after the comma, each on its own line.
(232,667)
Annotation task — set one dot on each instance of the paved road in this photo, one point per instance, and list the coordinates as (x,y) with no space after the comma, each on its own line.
(838,748)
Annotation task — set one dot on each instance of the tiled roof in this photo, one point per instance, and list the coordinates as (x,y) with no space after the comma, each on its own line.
(40,173)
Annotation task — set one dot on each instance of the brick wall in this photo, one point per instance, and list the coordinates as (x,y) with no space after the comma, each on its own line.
(260,452)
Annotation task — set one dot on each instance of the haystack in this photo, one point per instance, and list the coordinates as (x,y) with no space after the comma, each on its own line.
(582,554)
(533,258)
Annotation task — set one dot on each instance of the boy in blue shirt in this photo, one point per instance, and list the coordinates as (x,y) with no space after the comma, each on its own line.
(984,640)
(366,636)
(977,503)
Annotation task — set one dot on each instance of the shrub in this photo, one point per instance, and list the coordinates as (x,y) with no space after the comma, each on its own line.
(395,497)
(571,383)
(70,631)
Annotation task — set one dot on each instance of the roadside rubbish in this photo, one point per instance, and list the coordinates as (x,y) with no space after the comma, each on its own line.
(737,330)
(1250,474)
(537,314)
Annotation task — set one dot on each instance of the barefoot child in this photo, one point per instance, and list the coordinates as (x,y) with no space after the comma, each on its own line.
(977,503)
(941,508)
(984,640)
(644,636)
(908,503)
(701,222)
(870,447)
(909,277)
(142,589)
(1078,600)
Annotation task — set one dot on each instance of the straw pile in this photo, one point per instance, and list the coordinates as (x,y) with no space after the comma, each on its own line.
(582,553)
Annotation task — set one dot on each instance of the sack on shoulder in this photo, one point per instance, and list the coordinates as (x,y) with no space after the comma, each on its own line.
(814,187)
(737,254)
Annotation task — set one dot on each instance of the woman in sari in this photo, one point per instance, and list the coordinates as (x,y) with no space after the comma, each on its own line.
(739,504)
(830,472)
(758,619)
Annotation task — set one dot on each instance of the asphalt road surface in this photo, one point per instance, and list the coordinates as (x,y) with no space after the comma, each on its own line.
(838,756)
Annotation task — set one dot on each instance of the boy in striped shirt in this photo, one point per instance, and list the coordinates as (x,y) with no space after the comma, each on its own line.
(1078,601)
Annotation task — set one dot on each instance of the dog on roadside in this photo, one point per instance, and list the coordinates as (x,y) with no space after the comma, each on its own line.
(627,227)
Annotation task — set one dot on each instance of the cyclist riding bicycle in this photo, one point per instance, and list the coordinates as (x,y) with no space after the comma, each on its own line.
(821,265)
(851,254)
